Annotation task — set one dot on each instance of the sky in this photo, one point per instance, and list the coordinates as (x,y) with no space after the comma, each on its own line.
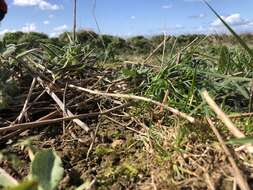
(127,17)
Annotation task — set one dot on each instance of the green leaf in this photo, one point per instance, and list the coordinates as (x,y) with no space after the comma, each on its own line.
(83,186)
(26,185)
(242,90)
(129,72)
(6,180)
(238,38)
(9,51)
(26,53)
(87,185)
(241,141)
(47,169)
(224,59)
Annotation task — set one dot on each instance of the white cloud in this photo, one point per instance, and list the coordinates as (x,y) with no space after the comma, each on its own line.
(47,6)
(46,22)
(42,4)
(30,27)
(167,6)
(233,20)
(133,17)
(26,2)
(238,23)
(58,30)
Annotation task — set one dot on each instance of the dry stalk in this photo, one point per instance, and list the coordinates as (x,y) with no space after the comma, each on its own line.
(178,58)
(64,106)
(156,49)
(225,119)
(251,97)
(165,100)
(6,176)
(24,110)
(60,104)
(133,97)
(222,116)
(240,115)
(209,181)
(21,130)
(93,140)
(241,181)
(30,125)
(74,20)
(124,126)
(165,37)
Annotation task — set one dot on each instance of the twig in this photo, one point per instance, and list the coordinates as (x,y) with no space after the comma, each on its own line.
(64,106)
(60,104)
(22,113)
(234,184)
(153,182)
(31,125)
(209,182)
(92,185)
(165,100)
(125,126)
(241,181)
(155,50)
(173,48)
(251,97)
(225,119)
(240,115)
(133,97)
(37,98)
(21,130)
(178,58)
(93,140)
(189,45)
(164,47)
(74,20)
(7,179)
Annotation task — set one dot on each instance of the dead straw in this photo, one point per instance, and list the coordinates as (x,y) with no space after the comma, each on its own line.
(241,181)
(133,97)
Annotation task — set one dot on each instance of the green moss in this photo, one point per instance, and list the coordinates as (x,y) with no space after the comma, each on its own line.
(102,150)
(128,170)
(116,134)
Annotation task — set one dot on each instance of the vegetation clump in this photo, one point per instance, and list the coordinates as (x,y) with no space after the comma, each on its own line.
(137,113)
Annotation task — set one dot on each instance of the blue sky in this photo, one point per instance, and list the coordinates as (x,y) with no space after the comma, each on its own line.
(128,17)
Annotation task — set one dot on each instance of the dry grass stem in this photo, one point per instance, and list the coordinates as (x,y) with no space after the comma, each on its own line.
(30,125)
(222,116)
(225,119)
(241,181)
(24,110)
(133,97)
(156,49)
(61,105)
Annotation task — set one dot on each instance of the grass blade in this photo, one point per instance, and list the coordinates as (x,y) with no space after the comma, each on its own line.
(238,38)
(241,141)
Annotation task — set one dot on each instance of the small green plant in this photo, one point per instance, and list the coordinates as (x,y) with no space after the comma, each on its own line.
(46,171)
(241,141)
